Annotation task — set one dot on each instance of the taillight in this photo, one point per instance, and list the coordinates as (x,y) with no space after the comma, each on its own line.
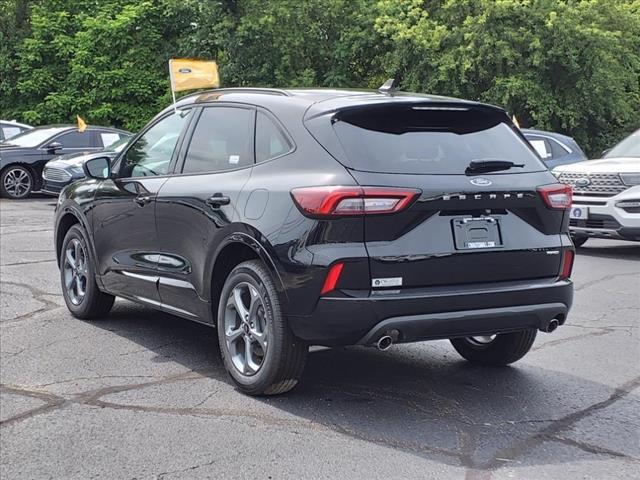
(567,264)
(556,196)
(335,201)
(332,278)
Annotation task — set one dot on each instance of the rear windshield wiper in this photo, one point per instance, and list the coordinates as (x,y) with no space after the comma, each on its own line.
(490,165)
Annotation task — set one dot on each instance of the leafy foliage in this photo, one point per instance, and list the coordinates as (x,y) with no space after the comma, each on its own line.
(571,66)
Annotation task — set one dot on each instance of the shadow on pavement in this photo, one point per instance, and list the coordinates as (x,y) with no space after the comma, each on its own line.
(420,398)
(622,250)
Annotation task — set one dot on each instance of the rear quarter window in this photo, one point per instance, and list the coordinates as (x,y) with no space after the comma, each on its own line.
(428,139)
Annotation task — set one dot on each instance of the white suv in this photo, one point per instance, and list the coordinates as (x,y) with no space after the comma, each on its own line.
(606,193)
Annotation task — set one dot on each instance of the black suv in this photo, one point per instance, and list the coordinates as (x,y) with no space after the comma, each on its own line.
(290,218)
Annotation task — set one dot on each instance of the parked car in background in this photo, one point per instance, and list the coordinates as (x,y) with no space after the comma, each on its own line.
(11,128)
(65,169)
(606,193)
(554,148)
(22,158)
(291,218)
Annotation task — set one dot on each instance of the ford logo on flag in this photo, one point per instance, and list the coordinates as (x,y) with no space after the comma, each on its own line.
(185,70)
(481,182)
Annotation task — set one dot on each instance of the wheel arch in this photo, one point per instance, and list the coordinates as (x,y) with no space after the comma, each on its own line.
(67,219)
(233,250)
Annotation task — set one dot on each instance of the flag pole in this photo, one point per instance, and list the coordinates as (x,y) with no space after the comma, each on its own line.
(173,93)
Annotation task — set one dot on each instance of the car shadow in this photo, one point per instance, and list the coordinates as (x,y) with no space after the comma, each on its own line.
(421,398)
(610,249)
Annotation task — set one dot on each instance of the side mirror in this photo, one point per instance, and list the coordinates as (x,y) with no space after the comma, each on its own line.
(53,147)
(98,168)
(604,152)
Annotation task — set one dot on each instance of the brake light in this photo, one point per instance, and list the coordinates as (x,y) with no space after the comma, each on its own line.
(567,264)
(557,196)
(336,201)
(332,278)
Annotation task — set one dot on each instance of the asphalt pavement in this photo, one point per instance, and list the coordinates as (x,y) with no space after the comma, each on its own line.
(144,395)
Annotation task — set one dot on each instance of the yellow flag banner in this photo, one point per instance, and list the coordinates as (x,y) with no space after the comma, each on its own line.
(82,125)
(189,74)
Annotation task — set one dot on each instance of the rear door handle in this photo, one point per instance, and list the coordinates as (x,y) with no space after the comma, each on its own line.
(142,200)
(218,200)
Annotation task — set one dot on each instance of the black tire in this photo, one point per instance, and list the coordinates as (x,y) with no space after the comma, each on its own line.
(16,182)
(504,349)
(283,362)
(579,240)
(94,303)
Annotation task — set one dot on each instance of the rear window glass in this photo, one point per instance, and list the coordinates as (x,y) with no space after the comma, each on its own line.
(429,139)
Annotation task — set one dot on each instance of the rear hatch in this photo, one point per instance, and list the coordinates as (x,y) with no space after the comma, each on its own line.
(467,225)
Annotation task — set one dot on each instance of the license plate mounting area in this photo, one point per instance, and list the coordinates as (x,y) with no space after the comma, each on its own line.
(476,233)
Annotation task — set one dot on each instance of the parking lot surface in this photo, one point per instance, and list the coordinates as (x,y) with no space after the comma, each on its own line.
(144,395)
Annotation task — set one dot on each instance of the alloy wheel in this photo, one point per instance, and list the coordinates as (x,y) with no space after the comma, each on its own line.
(482,341)
(17,182)
(75,271)
(245,328)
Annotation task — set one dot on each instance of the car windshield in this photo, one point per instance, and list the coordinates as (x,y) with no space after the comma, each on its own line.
(429,140)
(118,145)
(629,147)
(33,138)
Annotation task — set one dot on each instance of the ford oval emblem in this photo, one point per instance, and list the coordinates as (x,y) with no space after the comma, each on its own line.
(583,182)
(481,182)
(185,70)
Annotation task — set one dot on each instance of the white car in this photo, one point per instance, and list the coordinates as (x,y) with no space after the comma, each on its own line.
(11,128)
(606,193)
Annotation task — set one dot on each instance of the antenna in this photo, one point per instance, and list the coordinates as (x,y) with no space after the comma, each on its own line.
(389,86)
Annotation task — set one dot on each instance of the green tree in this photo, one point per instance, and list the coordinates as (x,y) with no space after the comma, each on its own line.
(328,43)
(567,66)
(571,66)
(106,61)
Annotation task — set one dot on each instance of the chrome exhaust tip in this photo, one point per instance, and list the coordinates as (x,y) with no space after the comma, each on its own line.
(553,324)
(384,343)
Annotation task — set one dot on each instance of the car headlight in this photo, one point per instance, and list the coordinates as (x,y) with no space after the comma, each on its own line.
(76,170)
(630,179)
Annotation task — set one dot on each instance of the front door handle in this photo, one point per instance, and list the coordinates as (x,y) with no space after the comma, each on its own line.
(218,200)
(142,200)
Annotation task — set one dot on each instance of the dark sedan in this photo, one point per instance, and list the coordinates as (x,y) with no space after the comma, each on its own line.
(22,158)
(65,169)
(554,148)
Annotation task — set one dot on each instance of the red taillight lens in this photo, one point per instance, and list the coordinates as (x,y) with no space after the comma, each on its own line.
(567,264)
(332,278)
(333,201)
(557,196)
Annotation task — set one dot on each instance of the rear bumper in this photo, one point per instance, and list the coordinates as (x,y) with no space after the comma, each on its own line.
(436,312)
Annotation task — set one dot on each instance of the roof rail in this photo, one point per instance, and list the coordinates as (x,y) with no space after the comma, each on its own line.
(265,91)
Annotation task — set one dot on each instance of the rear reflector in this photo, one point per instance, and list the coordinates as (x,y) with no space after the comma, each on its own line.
(332,278)
(335,201)
(567,264)
(557,196)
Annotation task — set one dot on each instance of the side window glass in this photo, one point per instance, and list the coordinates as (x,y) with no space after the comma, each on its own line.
(107,138)
(222,140)
(541,146)
(557,150)
(10,131)
(270,141)
(151,153)
(75,139)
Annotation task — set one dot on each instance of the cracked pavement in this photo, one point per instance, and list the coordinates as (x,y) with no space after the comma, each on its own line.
(143,395)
